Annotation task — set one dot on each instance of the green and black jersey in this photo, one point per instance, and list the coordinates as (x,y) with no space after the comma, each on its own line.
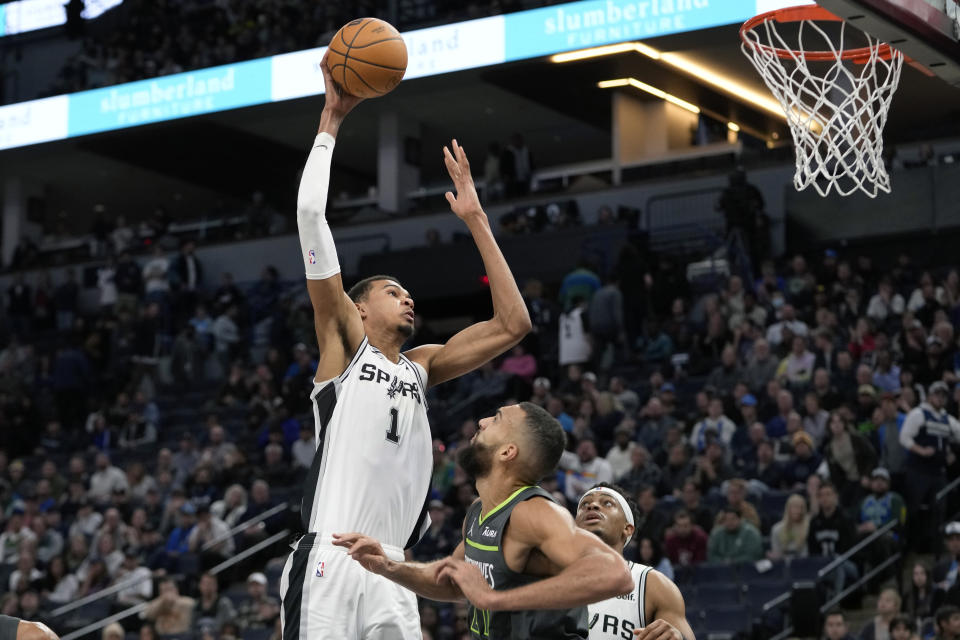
(483,546)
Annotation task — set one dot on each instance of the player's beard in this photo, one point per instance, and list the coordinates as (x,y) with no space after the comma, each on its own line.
(406,330)
(476,460)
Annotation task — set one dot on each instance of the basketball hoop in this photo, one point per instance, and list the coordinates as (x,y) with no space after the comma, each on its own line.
(836,98)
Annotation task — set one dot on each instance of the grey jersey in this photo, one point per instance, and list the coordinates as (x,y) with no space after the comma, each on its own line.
(483,547)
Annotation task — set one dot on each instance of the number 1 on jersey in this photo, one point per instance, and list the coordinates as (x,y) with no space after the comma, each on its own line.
(392,435)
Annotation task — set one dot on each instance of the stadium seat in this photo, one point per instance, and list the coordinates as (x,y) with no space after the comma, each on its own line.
(711,572)
(757,594)
(257,634)
(717,594)
(749,573)
(772,504)
(726,620)
(806,569)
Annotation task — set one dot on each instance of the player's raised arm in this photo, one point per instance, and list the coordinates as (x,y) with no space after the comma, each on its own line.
(336,319)
(590,570)
(421,578)
(483,341)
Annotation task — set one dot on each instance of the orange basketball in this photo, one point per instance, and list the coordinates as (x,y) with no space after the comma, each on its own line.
(367,57)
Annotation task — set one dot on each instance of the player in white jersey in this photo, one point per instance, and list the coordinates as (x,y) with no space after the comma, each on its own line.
(371,472)
(654,609)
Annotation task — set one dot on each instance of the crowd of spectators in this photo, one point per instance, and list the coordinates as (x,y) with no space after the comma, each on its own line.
(772,419)
(163,37)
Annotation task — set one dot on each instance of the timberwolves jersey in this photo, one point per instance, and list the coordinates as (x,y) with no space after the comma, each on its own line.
(371,472)
(617,617)
(483,550)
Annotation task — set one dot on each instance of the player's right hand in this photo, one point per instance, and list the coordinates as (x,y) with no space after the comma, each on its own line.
(364,550)
(337,99)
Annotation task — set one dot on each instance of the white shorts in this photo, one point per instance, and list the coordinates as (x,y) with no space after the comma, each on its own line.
(326,594)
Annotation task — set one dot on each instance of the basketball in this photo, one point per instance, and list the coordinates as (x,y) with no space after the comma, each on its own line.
(367,57)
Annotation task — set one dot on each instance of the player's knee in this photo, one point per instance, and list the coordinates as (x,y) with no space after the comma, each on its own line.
(35,631)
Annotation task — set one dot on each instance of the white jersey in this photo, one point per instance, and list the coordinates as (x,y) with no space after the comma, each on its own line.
(574,342)
(617,617)
(371,473)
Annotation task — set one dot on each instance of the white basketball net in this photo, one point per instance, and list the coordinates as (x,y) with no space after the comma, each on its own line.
(836,108)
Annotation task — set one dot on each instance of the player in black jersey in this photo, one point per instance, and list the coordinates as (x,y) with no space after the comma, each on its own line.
(532,579)
(17,629)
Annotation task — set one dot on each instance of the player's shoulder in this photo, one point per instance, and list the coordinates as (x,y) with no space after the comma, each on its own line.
(422,355)
(539,512)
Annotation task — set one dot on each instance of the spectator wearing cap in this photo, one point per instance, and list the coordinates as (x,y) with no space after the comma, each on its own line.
(796,369)
(170,612)
(178,540)
(866,403)
(926,434)
(140,578)
(945,574)
(208,529)
(876,510)
(212,608)
(588,470)
(849,457)
(258,610)
(621,453)
(934,364)
(715,422)
(761,366)
(733,539)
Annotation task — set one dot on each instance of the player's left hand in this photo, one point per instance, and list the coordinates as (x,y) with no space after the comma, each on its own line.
(471,582)
(466,203)
(659,630)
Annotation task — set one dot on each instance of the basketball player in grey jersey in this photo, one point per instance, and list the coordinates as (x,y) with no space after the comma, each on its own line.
(526,581)
(654,609)
(16,629)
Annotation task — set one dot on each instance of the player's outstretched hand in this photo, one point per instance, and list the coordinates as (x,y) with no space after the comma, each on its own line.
(659,630)
(471,582)
(364,550)
(466,203)
(338,101)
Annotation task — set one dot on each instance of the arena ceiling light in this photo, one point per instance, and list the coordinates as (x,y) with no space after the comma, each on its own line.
(643,86)
(681,63)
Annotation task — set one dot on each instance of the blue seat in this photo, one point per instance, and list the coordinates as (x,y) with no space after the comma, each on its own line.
(712,572)
(758,593)
(718,594)
(806,569)
(257,634)
(727,620)
(773,502)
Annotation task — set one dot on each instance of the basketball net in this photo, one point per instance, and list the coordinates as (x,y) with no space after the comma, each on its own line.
(836,99)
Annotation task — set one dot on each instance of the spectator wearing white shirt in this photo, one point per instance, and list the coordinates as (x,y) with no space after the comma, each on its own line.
(105,480)
(122,237)
(226,335)
(208,529)
(620,455)
(788,319)
(716,422)
(233,505)
(886,303)
(25,574)
(138,578)
(14,536)
(107,286)
(304,449)
(797,367)
(86,522)
(588,470)
(156,282)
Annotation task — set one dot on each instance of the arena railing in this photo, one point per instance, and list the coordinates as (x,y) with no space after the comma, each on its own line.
(249,551)
(269,513)
(99,595)
(100,624)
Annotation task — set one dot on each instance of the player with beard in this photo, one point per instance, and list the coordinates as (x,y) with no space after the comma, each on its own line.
(372,467)
(526,581)
(654,609)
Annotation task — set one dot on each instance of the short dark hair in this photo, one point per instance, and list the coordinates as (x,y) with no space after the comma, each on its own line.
(681,514)
(944,613)
(359,291)
(548,438)
(644,487)
(634,509)
(901,620)
(827,484)
(835,611)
